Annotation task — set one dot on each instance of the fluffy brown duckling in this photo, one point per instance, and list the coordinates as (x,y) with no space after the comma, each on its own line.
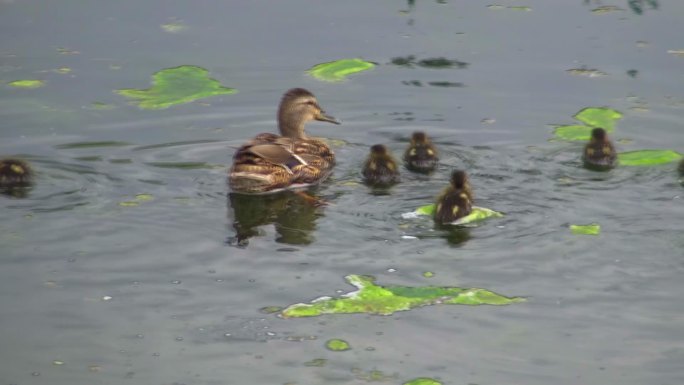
(15,173)
(271,162)
(456,201)
(421,154)
(380,168)
(599,154)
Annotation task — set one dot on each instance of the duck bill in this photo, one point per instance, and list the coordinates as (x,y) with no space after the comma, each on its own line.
(323,117)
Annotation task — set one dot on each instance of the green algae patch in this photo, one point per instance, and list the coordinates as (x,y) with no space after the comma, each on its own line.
(592,117)
(176,85)
(590,229)
(338,70)
(385,300)
(648,157)
(337,345)
(27,84)
(599,117)
(573,132)
(422,381)
(477,214)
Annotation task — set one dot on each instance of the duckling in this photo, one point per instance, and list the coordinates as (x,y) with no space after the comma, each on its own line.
(380,169)
(15,173)
(421,154)
(456,201)
(599,153)
(271,162)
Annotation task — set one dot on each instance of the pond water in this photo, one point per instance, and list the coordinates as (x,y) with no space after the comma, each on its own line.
(120,265)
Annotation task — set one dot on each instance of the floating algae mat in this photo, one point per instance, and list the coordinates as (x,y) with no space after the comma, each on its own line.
(175,86)
(385,300)
(648,157)
(592,117)
(338,70)
(477,214)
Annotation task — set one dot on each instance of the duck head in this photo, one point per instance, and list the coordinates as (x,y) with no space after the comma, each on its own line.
(297,107)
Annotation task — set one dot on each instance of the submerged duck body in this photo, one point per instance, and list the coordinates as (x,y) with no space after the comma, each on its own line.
(271,162)
(456,201)
(421,154)
(15,173)
(599,153)
(380,168)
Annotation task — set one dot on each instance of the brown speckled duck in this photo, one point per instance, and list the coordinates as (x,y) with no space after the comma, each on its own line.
(599,153)
(380,168)
(14,173)
(421,154)
(456,201)
(271,162)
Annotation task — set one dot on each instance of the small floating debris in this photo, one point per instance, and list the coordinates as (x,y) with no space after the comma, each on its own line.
(66,51)
(606,9)
(676,52)
(338,70)
(498,7)
(588,72)
(27,83)
(337,345)
(76,145)
(590,229)
(428,274)
(316,362)
(174,27)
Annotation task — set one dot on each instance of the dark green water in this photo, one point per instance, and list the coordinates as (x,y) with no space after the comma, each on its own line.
(184,306)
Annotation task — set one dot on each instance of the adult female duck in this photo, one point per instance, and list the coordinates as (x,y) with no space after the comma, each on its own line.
(271,162)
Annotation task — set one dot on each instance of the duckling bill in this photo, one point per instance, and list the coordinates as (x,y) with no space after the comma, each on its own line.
(455,201)
(271,162)
(421,154)
(380,168)
(599,154)
(15,173)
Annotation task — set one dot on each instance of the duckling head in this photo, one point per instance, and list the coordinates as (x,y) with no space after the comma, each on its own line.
(297,107)
(598,135)
(378,150)
(459,179)
(419,137)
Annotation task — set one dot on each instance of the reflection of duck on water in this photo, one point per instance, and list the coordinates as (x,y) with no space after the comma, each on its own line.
(292,214)
(15,176)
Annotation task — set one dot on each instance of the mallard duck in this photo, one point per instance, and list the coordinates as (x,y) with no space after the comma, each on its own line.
(421,154)
(599,153)
(271,162)
(456,201)
(380,168)
(14,173)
